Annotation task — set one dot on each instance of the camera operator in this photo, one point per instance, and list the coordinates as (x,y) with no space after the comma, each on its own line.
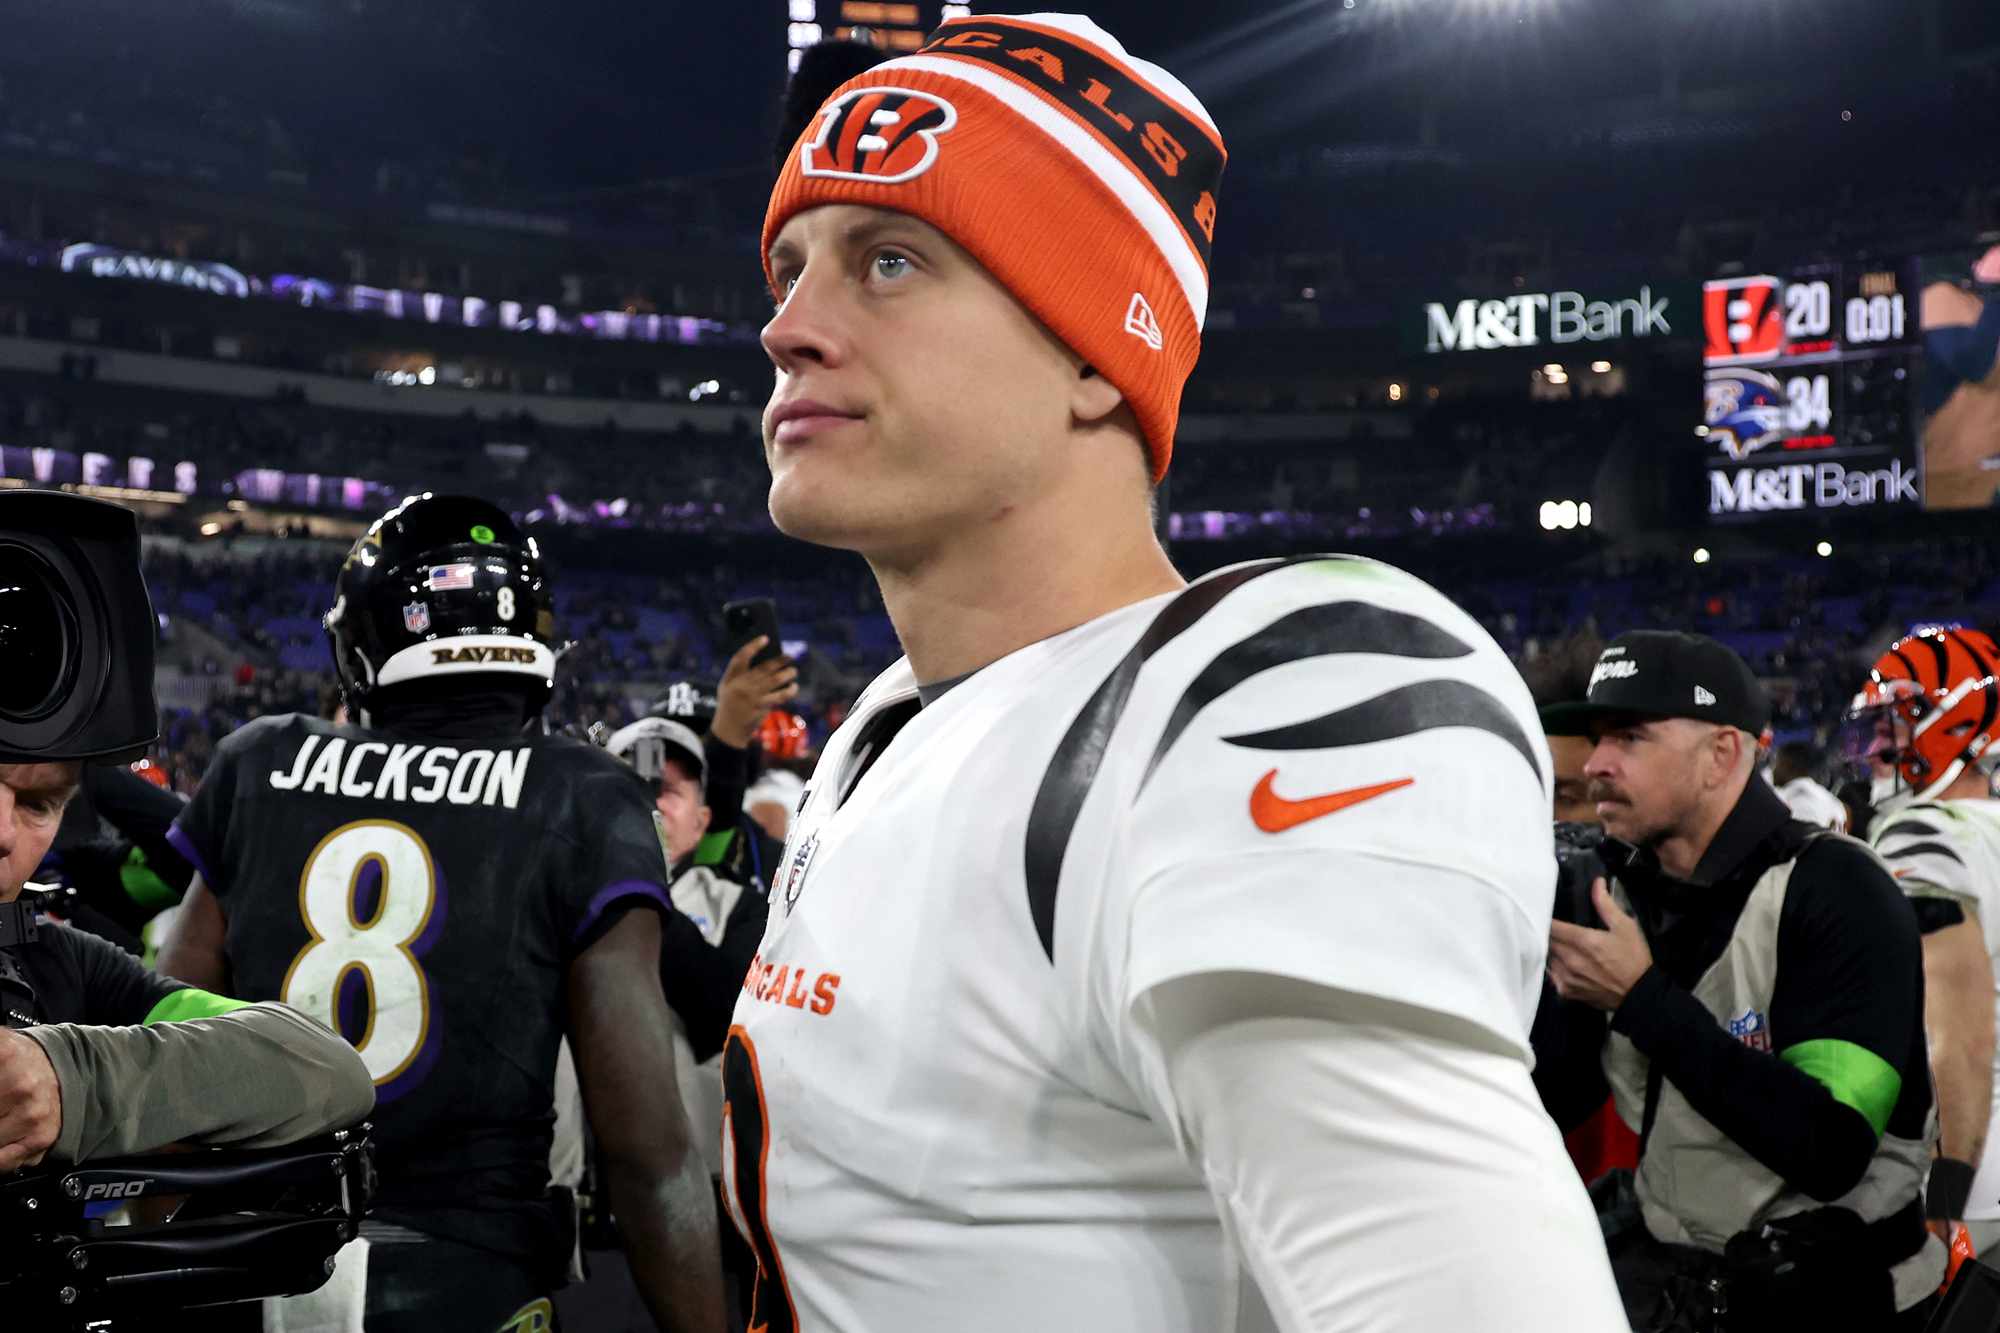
(113,856)
(99,1056)
(1763,985)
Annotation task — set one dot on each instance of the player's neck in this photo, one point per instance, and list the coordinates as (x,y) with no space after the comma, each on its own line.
(993,590)
(1971,785)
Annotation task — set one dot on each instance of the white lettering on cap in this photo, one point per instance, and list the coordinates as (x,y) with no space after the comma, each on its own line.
(1612,671)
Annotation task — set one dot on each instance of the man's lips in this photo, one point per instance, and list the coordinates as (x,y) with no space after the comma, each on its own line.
(801,419)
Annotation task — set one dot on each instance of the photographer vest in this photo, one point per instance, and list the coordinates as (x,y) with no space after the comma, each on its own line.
(1696,1187)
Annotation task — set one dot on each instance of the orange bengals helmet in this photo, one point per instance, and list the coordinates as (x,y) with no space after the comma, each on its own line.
(1930,707)
(782,734)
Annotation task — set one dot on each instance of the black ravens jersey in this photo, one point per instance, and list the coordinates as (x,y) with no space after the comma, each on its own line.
(424,898)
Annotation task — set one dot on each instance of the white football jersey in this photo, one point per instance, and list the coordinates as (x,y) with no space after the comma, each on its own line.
(944,1109)
(1951,849)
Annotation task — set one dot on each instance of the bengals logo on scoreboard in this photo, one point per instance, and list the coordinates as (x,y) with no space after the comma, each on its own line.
(882,135)
(1742,320)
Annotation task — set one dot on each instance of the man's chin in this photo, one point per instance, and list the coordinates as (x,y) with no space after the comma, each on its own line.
(842,516)
(1618,820)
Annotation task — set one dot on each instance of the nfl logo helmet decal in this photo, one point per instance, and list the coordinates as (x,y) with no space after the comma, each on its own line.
(417,617)
(884,136)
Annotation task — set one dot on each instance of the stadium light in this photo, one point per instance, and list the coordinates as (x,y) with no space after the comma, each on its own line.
(1395,393)
(210,529)
(1701,555)
(1825,549)
(1583,514)
(427,376)
(1547,515)
(1601,367)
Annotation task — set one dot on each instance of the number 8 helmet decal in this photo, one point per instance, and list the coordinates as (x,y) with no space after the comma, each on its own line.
(441,585)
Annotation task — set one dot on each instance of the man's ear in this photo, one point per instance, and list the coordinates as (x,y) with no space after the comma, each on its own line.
(1093,398)
(704,817)
(1729,746)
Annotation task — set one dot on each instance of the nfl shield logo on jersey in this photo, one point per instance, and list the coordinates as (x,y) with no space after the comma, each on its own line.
(417,617)
(795,873)
(1752,1029)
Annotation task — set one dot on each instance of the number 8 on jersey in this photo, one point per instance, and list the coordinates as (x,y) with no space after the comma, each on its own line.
(384,868)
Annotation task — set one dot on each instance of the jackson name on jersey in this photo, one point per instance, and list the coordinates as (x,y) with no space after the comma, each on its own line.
(381,771)
(944,1092)
(1951,849)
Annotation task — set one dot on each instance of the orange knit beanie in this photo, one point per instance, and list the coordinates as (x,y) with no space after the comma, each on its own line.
(1083,179)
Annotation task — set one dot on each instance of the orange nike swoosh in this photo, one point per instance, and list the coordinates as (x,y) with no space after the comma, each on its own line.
(1274,814)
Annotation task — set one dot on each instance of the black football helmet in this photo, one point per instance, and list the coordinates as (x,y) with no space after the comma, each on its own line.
(441,585)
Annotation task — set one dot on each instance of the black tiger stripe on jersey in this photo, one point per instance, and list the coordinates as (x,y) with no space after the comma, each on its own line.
(1059,800)
(1911,827)
(1313,631)
(1317,631)
(1424,706)
(1923,849)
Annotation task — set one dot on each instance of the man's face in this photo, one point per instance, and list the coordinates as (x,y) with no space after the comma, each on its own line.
(1647,777)
(32,797)
(937,402)
(1573,803)
(681,808)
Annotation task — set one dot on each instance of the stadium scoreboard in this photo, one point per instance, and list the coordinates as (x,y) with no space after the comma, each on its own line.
(1810,391)
(894,25)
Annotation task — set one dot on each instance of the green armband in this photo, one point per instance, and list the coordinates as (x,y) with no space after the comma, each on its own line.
(183,1005)
(1854,1075)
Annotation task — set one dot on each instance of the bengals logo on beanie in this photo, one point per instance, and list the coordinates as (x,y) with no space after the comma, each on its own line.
(885,135)
(1080,177)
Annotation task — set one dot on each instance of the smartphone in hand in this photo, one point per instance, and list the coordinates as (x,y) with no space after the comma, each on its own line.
(745,620)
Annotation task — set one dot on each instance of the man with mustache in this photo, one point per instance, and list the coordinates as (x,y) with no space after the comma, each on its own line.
(1763,987)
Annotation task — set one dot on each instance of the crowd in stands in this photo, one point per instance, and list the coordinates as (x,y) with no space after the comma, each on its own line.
(1460,465)
(262,650)
(1808,626)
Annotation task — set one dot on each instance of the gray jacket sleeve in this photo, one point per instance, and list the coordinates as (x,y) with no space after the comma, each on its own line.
(261,1076)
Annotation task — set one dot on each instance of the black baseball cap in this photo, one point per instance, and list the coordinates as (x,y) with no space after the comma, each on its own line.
(1658,673)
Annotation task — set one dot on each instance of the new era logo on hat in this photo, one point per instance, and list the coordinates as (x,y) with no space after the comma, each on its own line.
(1661,674)
(1141,323)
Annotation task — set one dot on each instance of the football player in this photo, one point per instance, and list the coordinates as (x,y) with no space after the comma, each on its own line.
(455,890)
(1926,721)
(1144,956)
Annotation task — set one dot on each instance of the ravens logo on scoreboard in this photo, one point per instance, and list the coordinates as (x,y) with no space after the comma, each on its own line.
(1745,410)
